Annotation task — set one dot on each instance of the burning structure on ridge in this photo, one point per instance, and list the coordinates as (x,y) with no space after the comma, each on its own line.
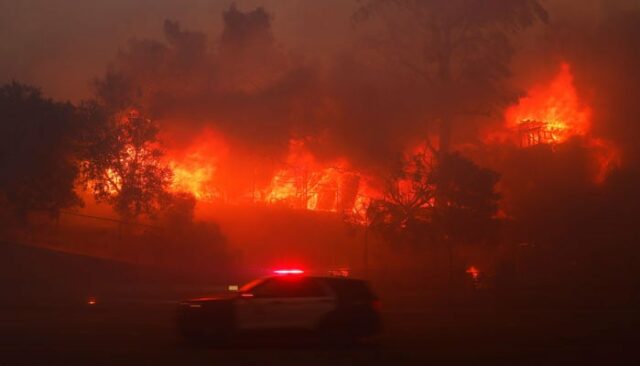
(532,132)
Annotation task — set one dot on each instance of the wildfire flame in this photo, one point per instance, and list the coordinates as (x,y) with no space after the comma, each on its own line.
(551,112)
(309,184)
(193,174)
(194,169)
(301,181)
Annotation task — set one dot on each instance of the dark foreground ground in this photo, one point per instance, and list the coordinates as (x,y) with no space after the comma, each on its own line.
(144,334)
(137,328)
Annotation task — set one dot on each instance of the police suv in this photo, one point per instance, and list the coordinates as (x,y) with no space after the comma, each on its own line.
(333,306)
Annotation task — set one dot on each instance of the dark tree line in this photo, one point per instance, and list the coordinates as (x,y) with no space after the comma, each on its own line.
(38,151)
(50,148)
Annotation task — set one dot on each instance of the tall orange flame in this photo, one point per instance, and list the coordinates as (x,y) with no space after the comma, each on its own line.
(551,112)
(194,169)
(301,181)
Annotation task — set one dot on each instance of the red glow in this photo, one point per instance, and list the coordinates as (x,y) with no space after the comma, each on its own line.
(92,301)
(206,169)
(473,272)
(288,271)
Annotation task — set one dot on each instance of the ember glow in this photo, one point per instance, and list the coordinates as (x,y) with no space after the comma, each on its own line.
(473,272)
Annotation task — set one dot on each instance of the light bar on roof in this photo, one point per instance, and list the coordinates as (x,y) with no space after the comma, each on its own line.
(288,271)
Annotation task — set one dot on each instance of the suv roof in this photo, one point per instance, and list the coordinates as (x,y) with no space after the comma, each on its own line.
(349,291)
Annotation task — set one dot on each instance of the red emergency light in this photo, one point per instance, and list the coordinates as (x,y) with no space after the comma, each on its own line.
(288,271)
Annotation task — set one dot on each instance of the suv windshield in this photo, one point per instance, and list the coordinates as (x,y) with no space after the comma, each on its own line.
(249,286)
(286,287)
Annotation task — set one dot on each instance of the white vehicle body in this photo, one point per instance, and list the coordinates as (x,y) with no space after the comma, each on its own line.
(324,305)
(266,309)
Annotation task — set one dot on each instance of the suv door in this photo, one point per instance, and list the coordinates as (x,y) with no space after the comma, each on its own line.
(285,302)
(258,308)
(308,301)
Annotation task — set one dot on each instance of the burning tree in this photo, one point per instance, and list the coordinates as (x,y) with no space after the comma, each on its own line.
(122,164)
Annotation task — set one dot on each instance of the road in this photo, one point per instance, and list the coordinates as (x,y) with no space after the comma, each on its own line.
(45,320)
(142,333)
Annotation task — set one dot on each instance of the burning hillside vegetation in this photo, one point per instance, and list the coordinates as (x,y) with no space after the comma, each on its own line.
(549,113)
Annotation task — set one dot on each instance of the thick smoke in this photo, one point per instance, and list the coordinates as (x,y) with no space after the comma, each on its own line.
(600,40)
(243,74)
(607,55)
(245,87)
(243,81)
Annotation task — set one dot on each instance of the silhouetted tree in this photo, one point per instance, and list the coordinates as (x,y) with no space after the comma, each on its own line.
(37,151)
(404,214)
(122,161)
(408,212)
(468,200)
(458,50)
